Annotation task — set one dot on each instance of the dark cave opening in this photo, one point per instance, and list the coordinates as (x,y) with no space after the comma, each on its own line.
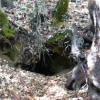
(43,66)
(50,64)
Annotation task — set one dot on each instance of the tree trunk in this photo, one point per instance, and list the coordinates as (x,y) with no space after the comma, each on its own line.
(93,58)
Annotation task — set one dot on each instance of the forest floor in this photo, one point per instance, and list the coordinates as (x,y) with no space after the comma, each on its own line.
(18,84)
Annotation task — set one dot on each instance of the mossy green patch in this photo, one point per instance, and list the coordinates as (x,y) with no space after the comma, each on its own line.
(3,19)
(4,25)
(7,32)
(59,36)
(60,10)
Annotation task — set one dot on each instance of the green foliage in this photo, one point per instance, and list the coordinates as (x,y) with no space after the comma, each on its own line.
(3,19)
(8,32)
(56,38)
(59,36)
(60,9)
(5,30)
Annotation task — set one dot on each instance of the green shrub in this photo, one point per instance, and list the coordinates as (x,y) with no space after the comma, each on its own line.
(5,30)
(3,19)
(56,38)
(59,36)
(60,9)
(8,32)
